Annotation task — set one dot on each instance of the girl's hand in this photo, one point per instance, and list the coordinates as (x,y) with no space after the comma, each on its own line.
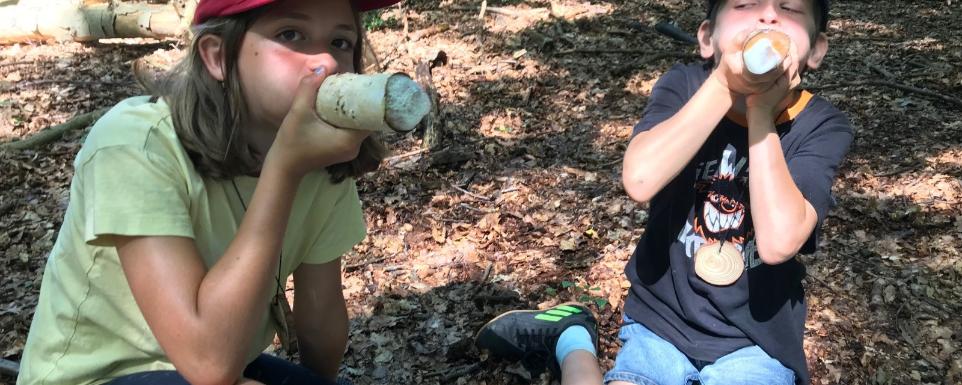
(304,142)
(731,71)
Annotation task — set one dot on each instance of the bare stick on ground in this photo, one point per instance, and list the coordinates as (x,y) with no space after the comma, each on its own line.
(431,123)
(51,134)
(885,83)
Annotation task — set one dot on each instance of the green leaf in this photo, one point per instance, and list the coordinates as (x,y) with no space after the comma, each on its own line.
(551,291)
(567,284)
(601,302)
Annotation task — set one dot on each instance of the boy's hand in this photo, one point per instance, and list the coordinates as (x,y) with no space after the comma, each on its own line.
(731,71)
(304,142)
(769,103)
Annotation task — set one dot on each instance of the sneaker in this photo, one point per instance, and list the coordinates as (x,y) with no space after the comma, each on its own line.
(531,335)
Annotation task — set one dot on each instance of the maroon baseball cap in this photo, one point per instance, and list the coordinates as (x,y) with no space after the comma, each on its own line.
(207,9)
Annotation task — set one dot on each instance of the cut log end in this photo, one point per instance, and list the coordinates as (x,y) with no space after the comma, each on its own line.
(406,103)
(719,264)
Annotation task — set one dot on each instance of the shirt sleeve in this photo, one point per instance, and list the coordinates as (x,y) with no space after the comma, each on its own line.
(343,229)
(668,96)
(129,191)
(814,165)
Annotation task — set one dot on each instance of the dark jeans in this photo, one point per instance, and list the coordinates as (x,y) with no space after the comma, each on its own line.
(266,368)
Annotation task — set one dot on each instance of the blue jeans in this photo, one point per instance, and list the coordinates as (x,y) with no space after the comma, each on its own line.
(265,368)
(646,359)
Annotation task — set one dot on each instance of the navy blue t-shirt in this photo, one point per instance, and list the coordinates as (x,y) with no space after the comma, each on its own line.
(709,201)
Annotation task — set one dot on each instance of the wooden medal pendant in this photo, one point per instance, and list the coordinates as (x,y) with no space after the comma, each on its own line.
(719,263)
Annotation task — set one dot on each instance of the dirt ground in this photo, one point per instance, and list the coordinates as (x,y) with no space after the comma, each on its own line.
(524,207)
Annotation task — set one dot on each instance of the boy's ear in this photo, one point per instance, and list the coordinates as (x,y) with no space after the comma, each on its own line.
(818,51)
(211,49)
(705,46)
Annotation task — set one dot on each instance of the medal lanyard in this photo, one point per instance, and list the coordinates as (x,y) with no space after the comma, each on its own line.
(277,277)
(280,309)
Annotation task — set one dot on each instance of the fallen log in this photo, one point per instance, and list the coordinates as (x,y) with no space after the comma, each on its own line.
(78,22)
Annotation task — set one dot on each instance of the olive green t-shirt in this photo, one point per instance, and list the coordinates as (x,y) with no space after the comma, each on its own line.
(133,177)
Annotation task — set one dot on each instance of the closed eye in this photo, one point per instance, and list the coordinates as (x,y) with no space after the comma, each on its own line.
(794,7)
(793,10)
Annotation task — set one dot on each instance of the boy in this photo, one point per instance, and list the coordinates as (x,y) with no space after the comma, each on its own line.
(724,157)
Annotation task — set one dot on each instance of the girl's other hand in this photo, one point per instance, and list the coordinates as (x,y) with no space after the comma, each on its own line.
(304,142)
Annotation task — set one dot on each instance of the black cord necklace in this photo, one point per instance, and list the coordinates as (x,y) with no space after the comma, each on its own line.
(281,311)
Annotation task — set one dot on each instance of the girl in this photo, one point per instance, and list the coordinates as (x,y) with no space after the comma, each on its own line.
(189,209)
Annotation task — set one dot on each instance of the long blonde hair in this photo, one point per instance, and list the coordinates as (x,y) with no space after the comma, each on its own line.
(206,113)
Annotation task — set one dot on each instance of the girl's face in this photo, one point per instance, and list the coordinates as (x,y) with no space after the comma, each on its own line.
(289,40)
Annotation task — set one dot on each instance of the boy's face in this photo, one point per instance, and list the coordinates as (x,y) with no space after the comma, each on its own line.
(736,18)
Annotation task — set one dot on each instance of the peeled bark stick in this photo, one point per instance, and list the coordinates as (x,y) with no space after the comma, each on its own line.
(764,50)
(387,102)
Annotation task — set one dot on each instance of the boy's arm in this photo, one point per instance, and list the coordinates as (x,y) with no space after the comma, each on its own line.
(784,216)
(655,157)
(783,219)
(320,316)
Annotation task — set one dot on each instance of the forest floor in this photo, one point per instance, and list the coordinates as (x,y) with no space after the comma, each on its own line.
(527,209)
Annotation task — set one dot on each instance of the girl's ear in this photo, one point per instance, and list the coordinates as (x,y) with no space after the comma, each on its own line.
(705,46)
(819,49)
(211,49)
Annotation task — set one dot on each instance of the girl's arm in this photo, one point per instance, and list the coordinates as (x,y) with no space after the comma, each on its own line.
(205,319)
(320,316)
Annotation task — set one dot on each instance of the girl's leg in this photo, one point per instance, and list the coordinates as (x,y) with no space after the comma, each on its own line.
(265,370)
(272,370)
(158,377)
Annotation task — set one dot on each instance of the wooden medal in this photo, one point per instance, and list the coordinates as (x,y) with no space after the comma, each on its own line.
(719,263)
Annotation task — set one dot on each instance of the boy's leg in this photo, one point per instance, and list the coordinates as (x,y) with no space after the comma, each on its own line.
(747,366)
(580,367)
(562,338)
(647,359)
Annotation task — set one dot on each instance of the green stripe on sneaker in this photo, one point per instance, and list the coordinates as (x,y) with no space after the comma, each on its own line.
(558,312)
(569,309)
(549,318)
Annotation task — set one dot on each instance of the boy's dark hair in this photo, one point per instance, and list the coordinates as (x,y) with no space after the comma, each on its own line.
(821,13)
(205,113)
